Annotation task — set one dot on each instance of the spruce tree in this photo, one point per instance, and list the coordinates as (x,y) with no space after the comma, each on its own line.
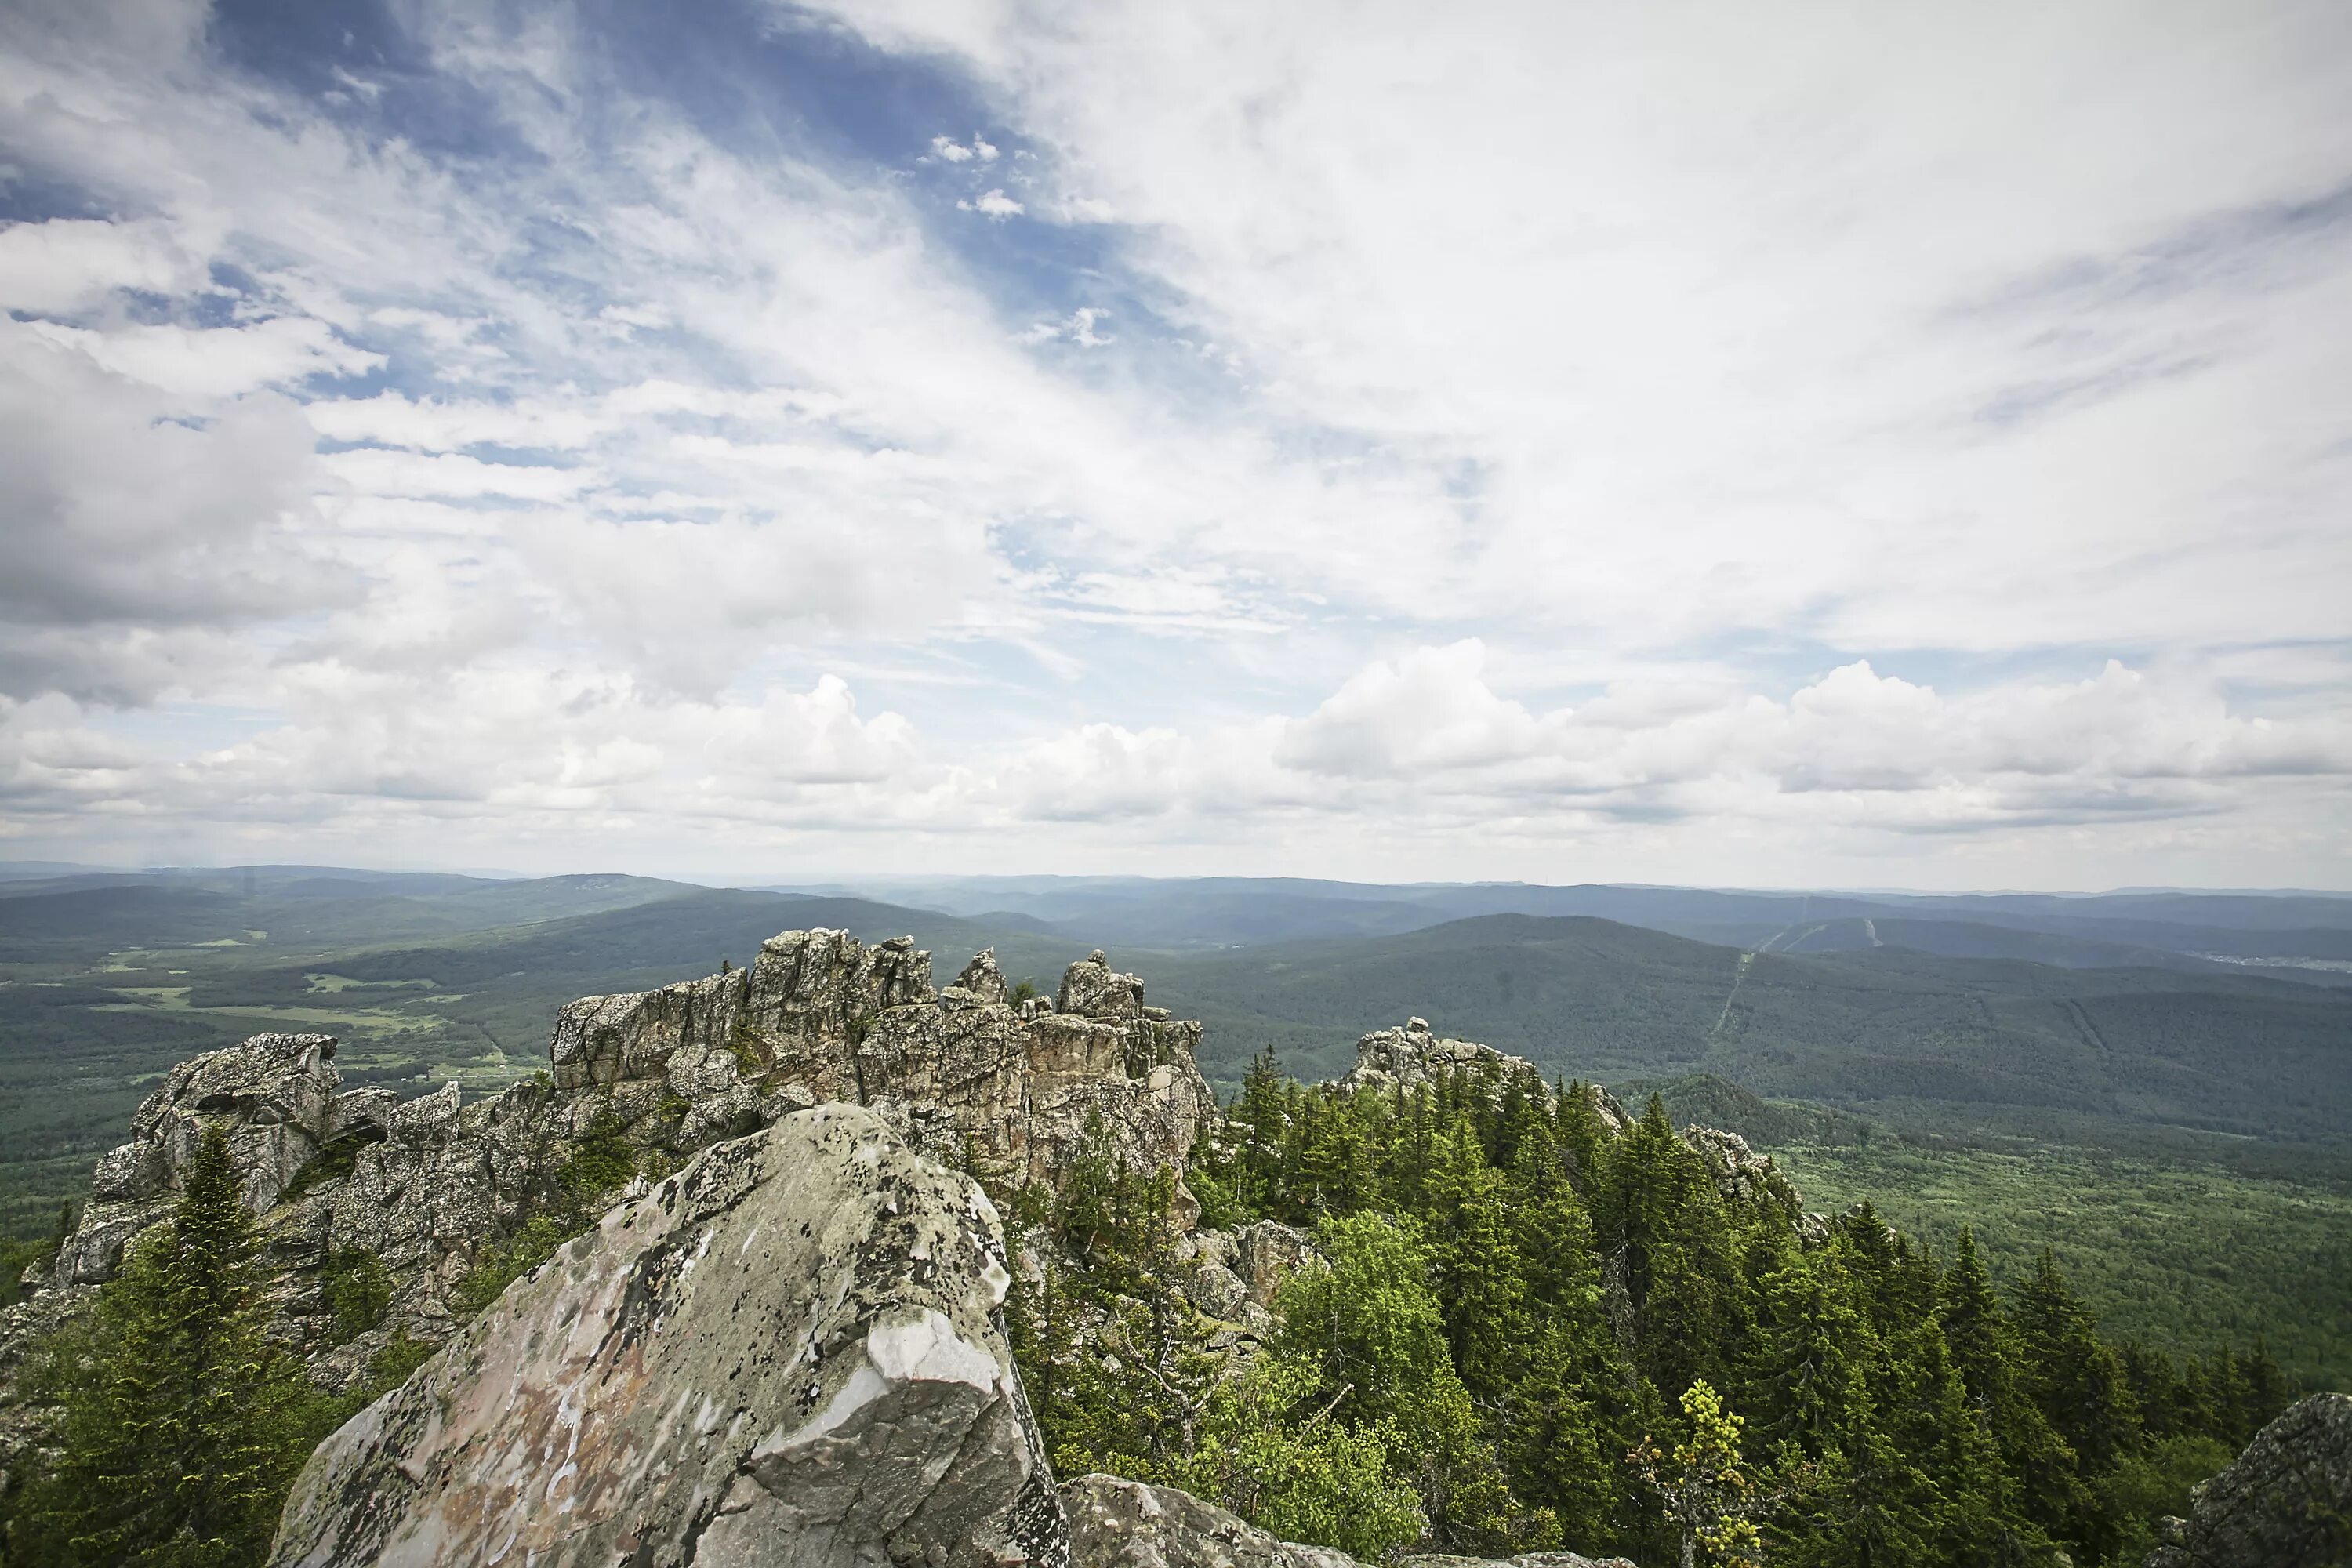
(1807,1378)
(1480,1278)
(2038,1465)
(182,1425)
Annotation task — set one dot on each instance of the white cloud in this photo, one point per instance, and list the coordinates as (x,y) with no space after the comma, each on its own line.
(993,204)
(216,361)
(432,424)
(1487,447)
(127,519)
(376,470)
(67,265)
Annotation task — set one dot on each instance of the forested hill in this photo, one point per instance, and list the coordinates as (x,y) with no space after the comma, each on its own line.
(2230,1052)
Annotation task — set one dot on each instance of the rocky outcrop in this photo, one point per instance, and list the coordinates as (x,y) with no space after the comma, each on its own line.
(1411,1056)
(1414,1057)
(820,1016)
(425,1186)
(1117,1523)
(1741,1174)
(273,1094)
(787,1352)
(2285,1503)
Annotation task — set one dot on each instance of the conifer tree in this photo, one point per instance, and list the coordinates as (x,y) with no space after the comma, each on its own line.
(1479,1273)
(183,1425)
(1808,1368)
(2037,1463)
(1705,1491)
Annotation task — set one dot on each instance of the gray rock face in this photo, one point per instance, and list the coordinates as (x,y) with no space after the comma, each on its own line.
(1524,1559)
(1269,1253)
(1117,1523)
(426,1184)
(2285,1503)
(981,978)
(786,1353)
(820,1016)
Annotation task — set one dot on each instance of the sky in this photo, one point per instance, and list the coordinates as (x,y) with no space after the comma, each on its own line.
(1760,445)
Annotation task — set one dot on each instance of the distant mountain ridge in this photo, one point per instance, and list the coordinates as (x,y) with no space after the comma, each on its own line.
(2309,933)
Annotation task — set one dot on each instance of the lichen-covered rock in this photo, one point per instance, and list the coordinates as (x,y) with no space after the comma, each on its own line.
(2285,1503)
(1268,1253)
(1741,1174)
(981,979)
(1217,1291)
(427,1186)
(822,1016)
(786,1353)
(1120,1523)
(1091,986)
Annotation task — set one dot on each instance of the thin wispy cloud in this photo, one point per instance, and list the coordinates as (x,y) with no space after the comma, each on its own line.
(1555,445)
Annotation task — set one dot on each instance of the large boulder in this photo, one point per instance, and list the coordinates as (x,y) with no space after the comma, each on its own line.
(789,1353)
(2285,1503)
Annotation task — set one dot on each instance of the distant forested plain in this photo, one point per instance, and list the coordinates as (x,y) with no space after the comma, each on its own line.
(2174,1125)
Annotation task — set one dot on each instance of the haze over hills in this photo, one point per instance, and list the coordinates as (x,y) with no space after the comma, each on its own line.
(2305,936)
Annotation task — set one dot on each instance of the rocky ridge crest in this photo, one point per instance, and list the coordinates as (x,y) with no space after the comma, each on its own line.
(429,1187)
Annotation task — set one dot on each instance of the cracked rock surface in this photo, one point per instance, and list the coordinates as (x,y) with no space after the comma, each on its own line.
(2285,1503)
(787,1353)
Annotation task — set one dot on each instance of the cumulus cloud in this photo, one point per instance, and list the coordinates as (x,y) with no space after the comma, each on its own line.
(1778,477)
(993,204)
(949,149)
(1078,326)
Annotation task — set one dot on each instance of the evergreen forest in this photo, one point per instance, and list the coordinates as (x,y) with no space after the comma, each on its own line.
(1535,1333)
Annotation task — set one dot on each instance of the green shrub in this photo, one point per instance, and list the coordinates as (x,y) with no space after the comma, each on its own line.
(500,1267)
(390,1367)
(357,1289)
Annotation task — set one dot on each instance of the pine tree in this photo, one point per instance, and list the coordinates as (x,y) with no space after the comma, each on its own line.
(1705,1492)
(182,1425)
